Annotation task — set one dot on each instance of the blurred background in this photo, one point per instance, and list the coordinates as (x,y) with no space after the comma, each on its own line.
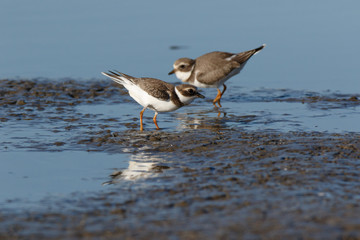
(312,45)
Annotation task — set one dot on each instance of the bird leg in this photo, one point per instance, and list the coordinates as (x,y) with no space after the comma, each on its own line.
(154,119)
(218,96)
(223,89)
(141,119)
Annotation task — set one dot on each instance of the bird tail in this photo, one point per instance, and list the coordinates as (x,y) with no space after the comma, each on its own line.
(256,50)
(244,56)
(119,77)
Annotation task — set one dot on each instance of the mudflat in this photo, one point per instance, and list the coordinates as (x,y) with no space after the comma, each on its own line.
(212,179)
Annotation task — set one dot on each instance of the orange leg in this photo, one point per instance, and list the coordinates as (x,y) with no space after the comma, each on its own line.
(218,96)
(154,119)
(141,119)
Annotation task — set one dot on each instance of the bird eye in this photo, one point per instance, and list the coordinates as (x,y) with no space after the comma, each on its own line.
(191,91)
(182,66)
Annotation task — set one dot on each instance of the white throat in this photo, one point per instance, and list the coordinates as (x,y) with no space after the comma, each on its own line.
(184,76)
(185,100)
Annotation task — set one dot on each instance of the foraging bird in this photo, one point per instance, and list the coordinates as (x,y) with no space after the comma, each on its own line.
(155,94)
(212,70)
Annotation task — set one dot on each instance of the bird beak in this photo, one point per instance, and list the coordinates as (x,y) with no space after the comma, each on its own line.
(173,71)
(200,95)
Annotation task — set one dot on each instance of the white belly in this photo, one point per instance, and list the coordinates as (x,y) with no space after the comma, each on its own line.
(146,100)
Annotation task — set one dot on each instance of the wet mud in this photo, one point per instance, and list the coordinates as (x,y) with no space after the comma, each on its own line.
(212,181)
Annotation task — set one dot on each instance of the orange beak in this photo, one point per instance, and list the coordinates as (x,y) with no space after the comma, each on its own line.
(173,71)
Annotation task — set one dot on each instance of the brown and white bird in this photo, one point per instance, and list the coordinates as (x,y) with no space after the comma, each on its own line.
(213,69)
(155,94)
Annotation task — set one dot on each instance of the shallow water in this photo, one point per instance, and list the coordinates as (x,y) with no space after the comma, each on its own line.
(31,179)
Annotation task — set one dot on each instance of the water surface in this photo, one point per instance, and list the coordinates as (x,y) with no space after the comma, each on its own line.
(310,45)
(33,177)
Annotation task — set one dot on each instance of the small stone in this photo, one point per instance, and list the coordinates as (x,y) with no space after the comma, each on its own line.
(59,143)
(20,102)
(353,98)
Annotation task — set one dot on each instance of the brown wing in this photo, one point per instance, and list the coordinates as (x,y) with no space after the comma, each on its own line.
(212,67)
(155,87)
(216,65)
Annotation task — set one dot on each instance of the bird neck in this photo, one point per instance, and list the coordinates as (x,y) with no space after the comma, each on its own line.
(175,98)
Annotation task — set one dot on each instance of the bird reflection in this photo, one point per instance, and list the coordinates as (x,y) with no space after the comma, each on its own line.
(203,119)
(141,166)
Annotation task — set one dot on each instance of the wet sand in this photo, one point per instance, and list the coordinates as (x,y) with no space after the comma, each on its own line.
(208,181)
